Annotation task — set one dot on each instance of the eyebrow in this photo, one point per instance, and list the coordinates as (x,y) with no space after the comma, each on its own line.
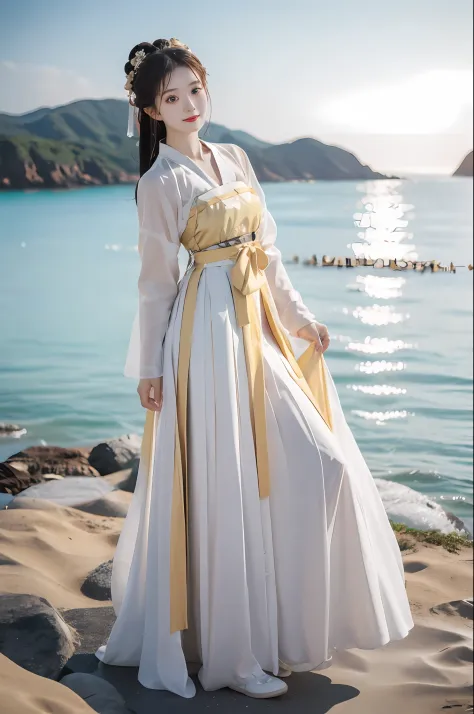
(175,89)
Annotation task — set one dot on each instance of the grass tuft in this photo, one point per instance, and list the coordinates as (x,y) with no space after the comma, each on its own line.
(452,542)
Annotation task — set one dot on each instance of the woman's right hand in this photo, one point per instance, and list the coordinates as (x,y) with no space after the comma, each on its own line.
(150,392)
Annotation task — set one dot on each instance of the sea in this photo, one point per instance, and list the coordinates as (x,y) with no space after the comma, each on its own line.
(402,342)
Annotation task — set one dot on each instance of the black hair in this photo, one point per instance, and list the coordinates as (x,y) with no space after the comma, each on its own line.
(161,58)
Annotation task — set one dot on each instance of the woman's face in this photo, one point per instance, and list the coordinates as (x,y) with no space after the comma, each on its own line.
(183,97)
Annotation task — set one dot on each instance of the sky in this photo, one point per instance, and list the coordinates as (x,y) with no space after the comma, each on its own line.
(389,80)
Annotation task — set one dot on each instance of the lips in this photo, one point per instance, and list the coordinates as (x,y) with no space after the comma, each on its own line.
(192,118)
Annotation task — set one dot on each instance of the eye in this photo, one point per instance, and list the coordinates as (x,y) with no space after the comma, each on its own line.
(197,89)
(173,96)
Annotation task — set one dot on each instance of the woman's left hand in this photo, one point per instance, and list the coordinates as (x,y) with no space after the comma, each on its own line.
(316,332)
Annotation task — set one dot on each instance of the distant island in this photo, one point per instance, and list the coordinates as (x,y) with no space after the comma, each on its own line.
(465,168)
(84,144)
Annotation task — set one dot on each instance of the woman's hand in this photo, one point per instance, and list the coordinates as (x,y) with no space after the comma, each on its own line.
(316,332)
(150,392)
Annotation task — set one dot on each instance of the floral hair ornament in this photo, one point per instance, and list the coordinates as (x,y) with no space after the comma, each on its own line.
(132,110)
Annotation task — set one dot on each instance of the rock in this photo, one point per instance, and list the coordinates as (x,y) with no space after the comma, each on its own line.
(22,692)
(116,454)
(93,625)
(112,505)
(126,479)
(72,491)
(97,584)
(462,608)
(458,523)
(14,480)
(99,694)
(53,460)
(11,430)
(34,635)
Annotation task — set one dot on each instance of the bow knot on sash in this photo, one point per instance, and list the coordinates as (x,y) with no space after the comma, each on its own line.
(247,277)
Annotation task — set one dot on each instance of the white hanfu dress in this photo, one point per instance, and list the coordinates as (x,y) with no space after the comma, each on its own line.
(313,567)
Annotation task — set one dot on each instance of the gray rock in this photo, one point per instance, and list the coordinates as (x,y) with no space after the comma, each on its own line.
(112,505)
(97,584)
(462,608)
(72,491)
(34,635)
(93,625)
(98,693)
(126,479)
(116,454)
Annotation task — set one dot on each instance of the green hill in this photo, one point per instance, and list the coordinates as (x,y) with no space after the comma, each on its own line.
(85,143)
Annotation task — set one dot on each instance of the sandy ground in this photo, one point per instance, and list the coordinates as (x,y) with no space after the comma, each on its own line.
(50,551)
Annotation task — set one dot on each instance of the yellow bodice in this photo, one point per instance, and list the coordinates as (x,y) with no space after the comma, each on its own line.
(225,215)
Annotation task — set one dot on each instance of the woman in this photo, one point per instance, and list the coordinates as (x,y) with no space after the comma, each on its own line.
(256,541)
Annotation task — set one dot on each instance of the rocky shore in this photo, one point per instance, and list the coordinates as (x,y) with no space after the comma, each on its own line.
(62,514)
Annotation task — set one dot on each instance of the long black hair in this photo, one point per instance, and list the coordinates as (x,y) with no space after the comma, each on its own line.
(161,58)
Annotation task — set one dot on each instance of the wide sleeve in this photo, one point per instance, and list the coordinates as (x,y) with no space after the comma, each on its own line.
(158,247)
(292,311)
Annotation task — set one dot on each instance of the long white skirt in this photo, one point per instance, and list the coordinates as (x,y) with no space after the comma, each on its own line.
(312,569)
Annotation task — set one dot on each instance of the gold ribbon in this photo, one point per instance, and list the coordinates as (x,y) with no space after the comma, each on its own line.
(247,277)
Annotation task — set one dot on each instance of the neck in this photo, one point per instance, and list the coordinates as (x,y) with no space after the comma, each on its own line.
(187,144)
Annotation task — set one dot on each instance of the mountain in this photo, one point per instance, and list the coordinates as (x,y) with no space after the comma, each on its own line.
(465,168)
(85,143)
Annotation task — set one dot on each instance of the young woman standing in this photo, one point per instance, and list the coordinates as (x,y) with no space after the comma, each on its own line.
(256,541)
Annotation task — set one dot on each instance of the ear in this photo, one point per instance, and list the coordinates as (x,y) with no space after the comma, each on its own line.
(153,113)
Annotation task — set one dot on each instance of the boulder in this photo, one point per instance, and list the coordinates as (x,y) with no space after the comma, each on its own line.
(34,635)
(11,430)
(93,625)
(116,454)
(112,505)
(72,491)
(97,584)
(126,479)
(53,460)
(99,694)
(14,480)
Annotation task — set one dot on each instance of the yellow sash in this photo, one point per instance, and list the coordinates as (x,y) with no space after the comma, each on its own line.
(247,277)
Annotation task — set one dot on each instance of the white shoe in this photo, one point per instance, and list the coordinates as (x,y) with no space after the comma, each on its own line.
(284,672)
(263,687)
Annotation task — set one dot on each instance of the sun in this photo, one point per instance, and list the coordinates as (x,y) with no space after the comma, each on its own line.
(427,103)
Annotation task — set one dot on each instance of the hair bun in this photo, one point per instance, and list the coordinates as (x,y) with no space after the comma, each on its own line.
(161,44)
(146,47)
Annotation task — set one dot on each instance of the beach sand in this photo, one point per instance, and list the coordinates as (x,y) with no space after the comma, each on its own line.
(48,550)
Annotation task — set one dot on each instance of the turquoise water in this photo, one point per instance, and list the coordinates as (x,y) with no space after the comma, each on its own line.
(402,343)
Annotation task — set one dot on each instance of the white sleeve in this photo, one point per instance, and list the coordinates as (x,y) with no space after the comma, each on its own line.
(158,247)
(292,311)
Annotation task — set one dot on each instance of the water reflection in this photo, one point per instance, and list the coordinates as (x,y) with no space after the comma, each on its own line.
(378,390)
(382,220)
(379,288)
(379,345)
(376,315)
(380,418)
(380,366)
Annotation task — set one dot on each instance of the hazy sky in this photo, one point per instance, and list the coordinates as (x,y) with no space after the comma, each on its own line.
(391,81)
